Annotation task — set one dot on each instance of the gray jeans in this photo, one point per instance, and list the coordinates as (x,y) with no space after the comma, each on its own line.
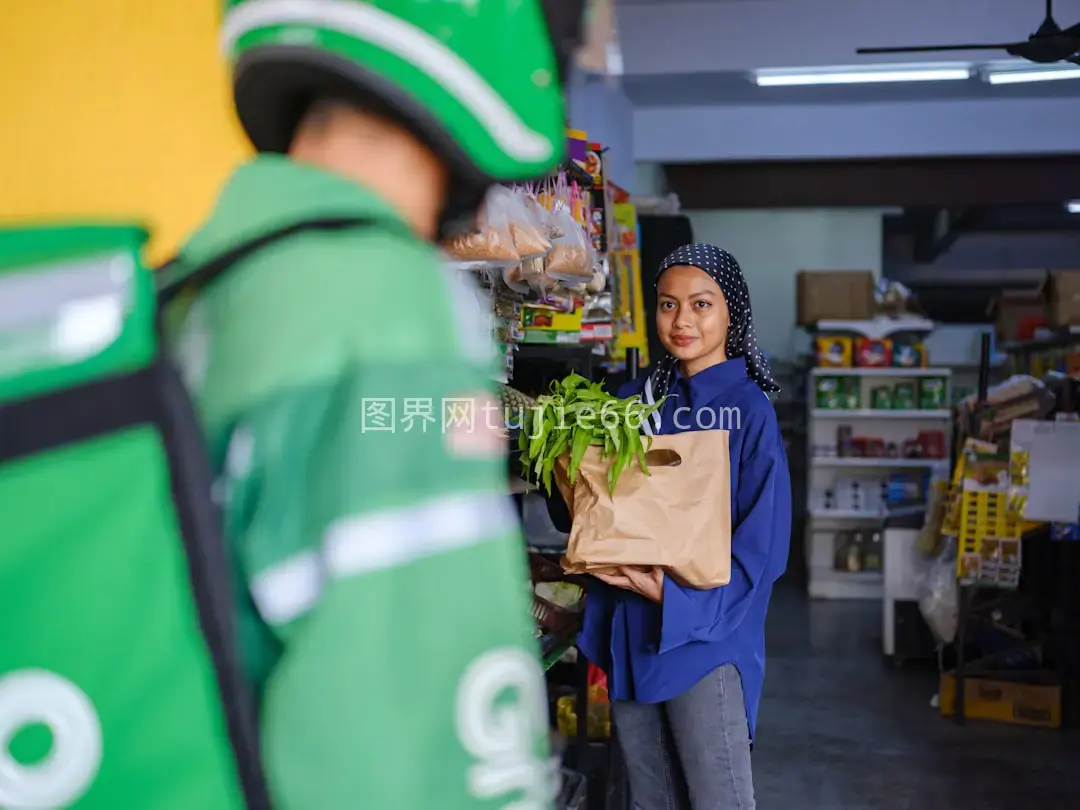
(691,753)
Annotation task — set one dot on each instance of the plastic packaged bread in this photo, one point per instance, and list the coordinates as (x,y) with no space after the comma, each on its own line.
(570,258)
(526,225)
(492,240)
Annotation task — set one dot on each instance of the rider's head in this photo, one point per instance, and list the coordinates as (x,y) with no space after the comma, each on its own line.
(478,83)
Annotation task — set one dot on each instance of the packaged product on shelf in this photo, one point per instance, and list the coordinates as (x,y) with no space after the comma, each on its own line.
(844,437)
(869,447)
(873,352)
(551,319)
(535,279)
(850,393)
(527,223)
(598,308)
(597,320)
(932,443)
(908,353)
(905,489)
(514,277)
(990,546)
(491,239)
(881,398)
(904,396)
(873,552)
(932,393)
(1072,364)
(847,553)
(598,283)
(827,393)
(560,299)
(858,551)
(569,259)
(833,352)
(1021,437)
(507,309)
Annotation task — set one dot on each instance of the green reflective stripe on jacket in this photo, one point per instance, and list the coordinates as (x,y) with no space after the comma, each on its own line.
(379,541)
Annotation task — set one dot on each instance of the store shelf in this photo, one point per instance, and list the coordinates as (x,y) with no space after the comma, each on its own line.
(826,583)
(870,371)
(876,515)
(877,329)
(1043,339)
(878,463)
(826,528)
(878,413)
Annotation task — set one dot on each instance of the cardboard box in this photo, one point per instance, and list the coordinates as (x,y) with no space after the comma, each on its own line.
(833,295)
(1035,701)
(1017,313)
(1063,298)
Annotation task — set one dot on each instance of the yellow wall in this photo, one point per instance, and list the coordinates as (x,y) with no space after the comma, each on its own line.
(115,108)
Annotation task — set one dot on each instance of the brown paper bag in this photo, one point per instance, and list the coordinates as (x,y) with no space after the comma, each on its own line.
(677,517)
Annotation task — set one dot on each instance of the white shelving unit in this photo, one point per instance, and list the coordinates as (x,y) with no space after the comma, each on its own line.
(900,582)
(828,522)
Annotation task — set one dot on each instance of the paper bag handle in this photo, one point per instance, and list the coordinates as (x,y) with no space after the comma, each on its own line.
(662,457)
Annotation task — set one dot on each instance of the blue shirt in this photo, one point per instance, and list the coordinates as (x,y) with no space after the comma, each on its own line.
(653,653)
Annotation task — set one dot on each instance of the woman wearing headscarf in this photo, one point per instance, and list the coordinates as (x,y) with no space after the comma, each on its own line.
(685,666)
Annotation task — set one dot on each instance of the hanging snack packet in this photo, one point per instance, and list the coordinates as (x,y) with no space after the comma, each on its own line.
(569,259)
(598,281)
(514,277)
(527,230)
(491,240)
(535,278)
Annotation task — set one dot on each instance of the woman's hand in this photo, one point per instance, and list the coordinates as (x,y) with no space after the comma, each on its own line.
(645,581)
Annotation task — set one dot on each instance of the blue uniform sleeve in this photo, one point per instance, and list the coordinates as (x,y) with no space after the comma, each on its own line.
(761,535)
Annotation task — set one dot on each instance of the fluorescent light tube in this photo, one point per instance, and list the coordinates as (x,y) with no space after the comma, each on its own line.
(1073,206)
(1034,75)
(766,78)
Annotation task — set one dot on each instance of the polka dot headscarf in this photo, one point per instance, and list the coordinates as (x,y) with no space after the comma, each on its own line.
(741,341)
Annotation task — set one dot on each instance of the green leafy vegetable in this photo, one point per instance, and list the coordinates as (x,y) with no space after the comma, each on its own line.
(575,416)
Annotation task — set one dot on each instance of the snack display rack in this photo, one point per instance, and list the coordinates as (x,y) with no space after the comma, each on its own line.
(1048,350)
(878,427)
(556,265)
(999,575)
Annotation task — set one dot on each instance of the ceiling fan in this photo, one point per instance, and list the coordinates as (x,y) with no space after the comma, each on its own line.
(1049,44)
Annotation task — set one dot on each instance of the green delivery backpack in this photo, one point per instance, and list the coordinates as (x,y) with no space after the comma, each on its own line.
(119,683)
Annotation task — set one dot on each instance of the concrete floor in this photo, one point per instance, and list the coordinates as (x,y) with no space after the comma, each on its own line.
(841,729)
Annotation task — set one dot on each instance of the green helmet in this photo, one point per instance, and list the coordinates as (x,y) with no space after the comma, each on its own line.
(479,81)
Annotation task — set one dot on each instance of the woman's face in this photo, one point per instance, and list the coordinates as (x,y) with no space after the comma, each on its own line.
(691,317)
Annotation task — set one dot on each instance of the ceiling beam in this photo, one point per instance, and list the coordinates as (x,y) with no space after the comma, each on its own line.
(920,182)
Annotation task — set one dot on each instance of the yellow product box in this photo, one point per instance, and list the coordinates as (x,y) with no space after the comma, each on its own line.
(834,352)
(550,319)
(1036,701)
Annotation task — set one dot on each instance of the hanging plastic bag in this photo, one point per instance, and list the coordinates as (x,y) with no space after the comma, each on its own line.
(513,276)
(938,597)
(569,259)
(534,278)
(527,226)
(491,240)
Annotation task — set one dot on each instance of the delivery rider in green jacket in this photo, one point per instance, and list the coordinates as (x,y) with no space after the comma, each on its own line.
(343,383)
